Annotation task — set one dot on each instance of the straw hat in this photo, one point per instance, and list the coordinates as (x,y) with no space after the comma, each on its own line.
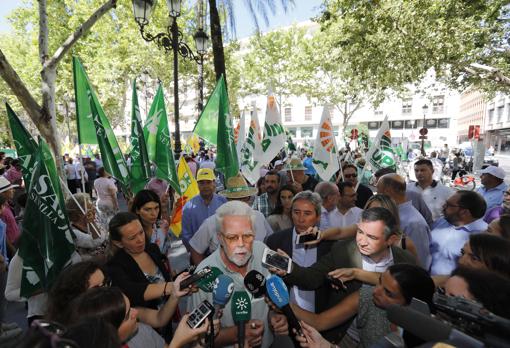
(294,164)
(237,187)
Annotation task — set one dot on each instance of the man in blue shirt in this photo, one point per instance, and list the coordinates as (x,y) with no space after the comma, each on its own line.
(463,213)
(493,186)
(200,207)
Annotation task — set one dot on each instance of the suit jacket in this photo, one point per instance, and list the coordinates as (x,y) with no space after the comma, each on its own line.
(343,254)
(126,274)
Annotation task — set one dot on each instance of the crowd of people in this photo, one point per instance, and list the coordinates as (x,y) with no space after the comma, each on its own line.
(374,243)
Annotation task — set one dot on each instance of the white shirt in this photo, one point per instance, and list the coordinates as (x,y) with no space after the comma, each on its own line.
(369,265)
(351,217)
(304,257)
(434,196)
(103,188)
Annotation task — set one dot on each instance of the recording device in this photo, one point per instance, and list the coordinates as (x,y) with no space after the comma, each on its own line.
(304,238)
(337,282)
(195,277)
(255,282)
(207,283)
(241,313)
(222,290)
(199,314)
(462,322)
(271,259)
(279,295)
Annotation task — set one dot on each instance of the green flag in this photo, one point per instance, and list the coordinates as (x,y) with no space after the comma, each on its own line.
(207,124)
(381,154)
(290,144)
(140,165)
(46,243)
(113,160)
(226,159)
(159,144)
(25,145)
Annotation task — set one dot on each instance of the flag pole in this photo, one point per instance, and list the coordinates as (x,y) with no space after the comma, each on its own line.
(83,183)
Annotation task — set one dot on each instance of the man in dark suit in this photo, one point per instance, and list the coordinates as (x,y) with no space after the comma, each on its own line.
(371,250)
(306,213)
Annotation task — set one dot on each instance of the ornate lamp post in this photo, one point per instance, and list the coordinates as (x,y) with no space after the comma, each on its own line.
(171,40)
(423,130)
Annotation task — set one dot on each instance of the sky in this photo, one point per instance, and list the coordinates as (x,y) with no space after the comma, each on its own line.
(302,10)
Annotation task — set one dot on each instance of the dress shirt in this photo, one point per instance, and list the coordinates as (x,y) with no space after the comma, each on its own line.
(434,196)
(381,266)
(415,227)
(304,256)
(351,217)
(493,196)
(420,205)
(446,242)
(325,218)
(263,204)
(195,212)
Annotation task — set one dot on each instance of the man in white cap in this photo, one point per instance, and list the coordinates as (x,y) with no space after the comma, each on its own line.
(493,187)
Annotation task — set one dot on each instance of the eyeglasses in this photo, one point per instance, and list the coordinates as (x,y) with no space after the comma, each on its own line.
(53,331)
(448,204)
(472,256)
(247,238)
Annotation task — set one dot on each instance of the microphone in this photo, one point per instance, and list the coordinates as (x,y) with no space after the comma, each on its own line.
(279,295)
(222,290)
(426,327)
(207,283)
(255,282)
(241,313)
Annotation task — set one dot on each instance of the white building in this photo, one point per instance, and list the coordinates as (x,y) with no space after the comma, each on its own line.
(497,122)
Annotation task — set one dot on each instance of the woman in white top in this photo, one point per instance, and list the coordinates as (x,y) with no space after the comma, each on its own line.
(281,218)
(107,204)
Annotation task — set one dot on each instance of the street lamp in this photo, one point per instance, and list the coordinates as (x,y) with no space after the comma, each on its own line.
(423,130)
(171,40)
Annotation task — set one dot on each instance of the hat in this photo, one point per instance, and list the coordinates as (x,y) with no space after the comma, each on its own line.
(295,164)
(277,163)
(206,174)
(5,184)
(237,187)
(498,172)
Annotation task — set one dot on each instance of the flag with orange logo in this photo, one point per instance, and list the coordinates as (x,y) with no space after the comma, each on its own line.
(324,158)
(189,189)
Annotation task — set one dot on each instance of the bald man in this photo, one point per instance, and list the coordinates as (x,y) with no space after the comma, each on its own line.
(412,222)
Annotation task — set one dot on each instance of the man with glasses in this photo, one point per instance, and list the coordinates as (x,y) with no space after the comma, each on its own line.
(462,216)
(364,193)
(238,253)
(347,213)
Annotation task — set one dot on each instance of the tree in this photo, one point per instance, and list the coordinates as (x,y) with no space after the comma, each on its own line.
(389,44)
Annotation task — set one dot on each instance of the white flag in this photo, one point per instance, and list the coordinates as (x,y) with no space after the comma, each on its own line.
(274,133)
(241,135)
(325,160)
(380,154)
(251,151)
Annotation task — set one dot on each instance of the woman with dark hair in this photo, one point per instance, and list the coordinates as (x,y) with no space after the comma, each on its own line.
(147,206)
(107,204)
(500,227)
(261,186)
(280,219)
(486,252)
(397,285)
(486,287)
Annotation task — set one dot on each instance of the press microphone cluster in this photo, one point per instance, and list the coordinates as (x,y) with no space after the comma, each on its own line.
(241,314)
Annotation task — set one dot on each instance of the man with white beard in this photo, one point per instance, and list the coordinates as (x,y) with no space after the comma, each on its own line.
(238,254)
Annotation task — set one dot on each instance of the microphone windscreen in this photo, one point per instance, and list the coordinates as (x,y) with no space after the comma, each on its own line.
(207,283)
(222,290)
(419,324)
(255,282)
(277,291)
(241,306)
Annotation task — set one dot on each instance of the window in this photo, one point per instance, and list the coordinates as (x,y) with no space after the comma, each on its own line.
(306,132)
(288,114)
(500,113)
(378,113)
(438,104)
(508,112)
(336,131)
(308,113)
(397,124)
(407,106)
(374,125)
(431,123)
(443,123)
(411,124)
(491,115)
(292,132)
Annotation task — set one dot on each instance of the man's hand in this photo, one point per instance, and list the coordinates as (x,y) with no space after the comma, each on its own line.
(313,230)
(312,338)
(254,332)
(176,286)
(278,271)
(344,274)
(184,334)
(279,324)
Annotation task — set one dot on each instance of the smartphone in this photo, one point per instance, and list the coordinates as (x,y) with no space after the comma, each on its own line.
(337,282)
(195,277)
(272,259)
(199,314)
(303,238)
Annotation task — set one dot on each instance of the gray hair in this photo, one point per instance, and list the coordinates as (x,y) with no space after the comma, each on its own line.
(325,189)
(312,197)
(234,208)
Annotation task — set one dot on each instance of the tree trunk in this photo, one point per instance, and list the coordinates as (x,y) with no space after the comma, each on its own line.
(217,41)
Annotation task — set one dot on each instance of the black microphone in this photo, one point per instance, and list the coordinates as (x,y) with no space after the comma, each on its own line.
(255,282)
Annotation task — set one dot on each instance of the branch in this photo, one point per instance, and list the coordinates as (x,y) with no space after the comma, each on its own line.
(19,89)
(43,32)
(78,33)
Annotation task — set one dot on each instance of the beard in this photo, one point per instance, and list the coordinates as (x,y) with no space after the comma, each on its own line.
(239,260)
